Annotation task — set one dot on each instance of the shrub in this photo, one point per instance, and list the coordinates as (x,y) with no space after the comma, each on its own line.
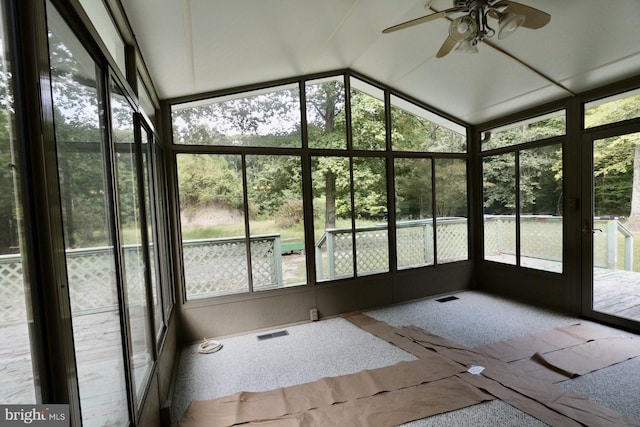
(290,213)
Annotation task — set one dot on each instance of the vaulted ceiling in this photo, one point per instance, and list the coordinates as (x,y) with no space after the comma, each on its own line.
(195,46)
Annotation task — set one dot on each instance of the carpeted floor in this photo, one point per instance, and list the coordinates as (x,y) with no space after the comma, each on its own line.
(334,347)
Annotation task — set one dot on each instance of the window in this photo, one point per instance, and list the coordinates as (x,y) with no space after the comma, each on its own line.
(155,239)
(414,212)
(212,216)
(332,212)
(131,225)
(612,109)
(17,380)
(370,202)
(541,208)
(325,112)
(145,100)
(452,237)
(276,221)
(367,116)
(342,232)
(416,129)
(87,212)
(269,118)
(537,128)
(426,216)
(106,28)
(164,271)
(214,247)
(522,196)
(499,202)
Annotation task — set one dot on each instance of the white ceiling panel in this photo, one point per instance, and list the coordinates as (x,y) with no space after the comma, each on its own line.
(261,38)
(195,46)
(581,36)
(161,36)
(467,85)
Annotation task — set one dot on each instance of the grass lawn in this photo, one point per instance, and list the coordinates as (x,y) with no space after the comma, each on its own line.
(295,233)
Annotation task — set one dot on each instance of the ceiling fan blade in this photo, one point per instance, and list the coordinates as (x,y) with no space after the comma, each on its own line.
(421,20)
(447,46)
(534,18)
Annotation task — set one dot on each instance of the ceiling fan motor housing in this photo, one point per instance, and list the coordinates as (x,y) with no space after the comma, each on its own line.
(466,5)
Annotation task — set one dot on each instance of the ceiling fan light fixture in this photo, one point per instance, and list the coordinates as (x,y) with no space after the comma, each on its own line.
(467,47)
(508,24)
(463,28)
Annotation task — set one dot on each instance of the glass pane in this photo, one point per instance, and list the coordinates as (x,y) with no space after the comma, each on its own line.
(414,212)
(613,109)
(145,100)
(101,20)
(415,129)
(370,195)
(616,225)
(131,237)
(451,210)
(269,118)
(499,197)
(212,219)
(274,191)
(17,380)
(549,125)
(367,117)
(326,123)
(541,208)
(86,212)
(332,217)
(162,240)
(152,224)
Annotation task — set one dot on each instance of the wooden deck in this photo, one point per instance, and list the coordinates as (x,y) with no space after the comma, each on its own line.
(617,292)
(100,368)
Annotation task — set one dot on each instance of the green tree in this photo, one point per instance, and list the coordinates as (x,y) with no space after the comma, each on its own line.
(327,129)
(617,162)
(451,188)
(498,174)
(206,180)
(613,164)
(414,199)
(368,128)
(272,182)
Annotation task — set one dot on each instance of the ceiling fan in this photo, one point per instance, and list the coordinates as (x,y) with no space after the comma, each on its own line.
(472,26)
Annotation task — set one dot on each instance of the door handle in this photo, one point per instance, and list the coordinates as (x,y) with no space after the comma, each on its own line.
(587,229)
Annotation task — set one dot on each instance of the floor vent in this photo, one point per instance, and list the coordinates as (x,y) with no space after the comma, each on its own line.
(447,299)
(272,335)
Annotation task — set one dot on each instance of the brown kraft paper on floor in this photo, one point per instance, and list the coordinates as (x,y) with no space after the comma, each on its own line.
(250,406)
(540,399)
(555,339)
(591,356)
(390,408)
(566,352)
